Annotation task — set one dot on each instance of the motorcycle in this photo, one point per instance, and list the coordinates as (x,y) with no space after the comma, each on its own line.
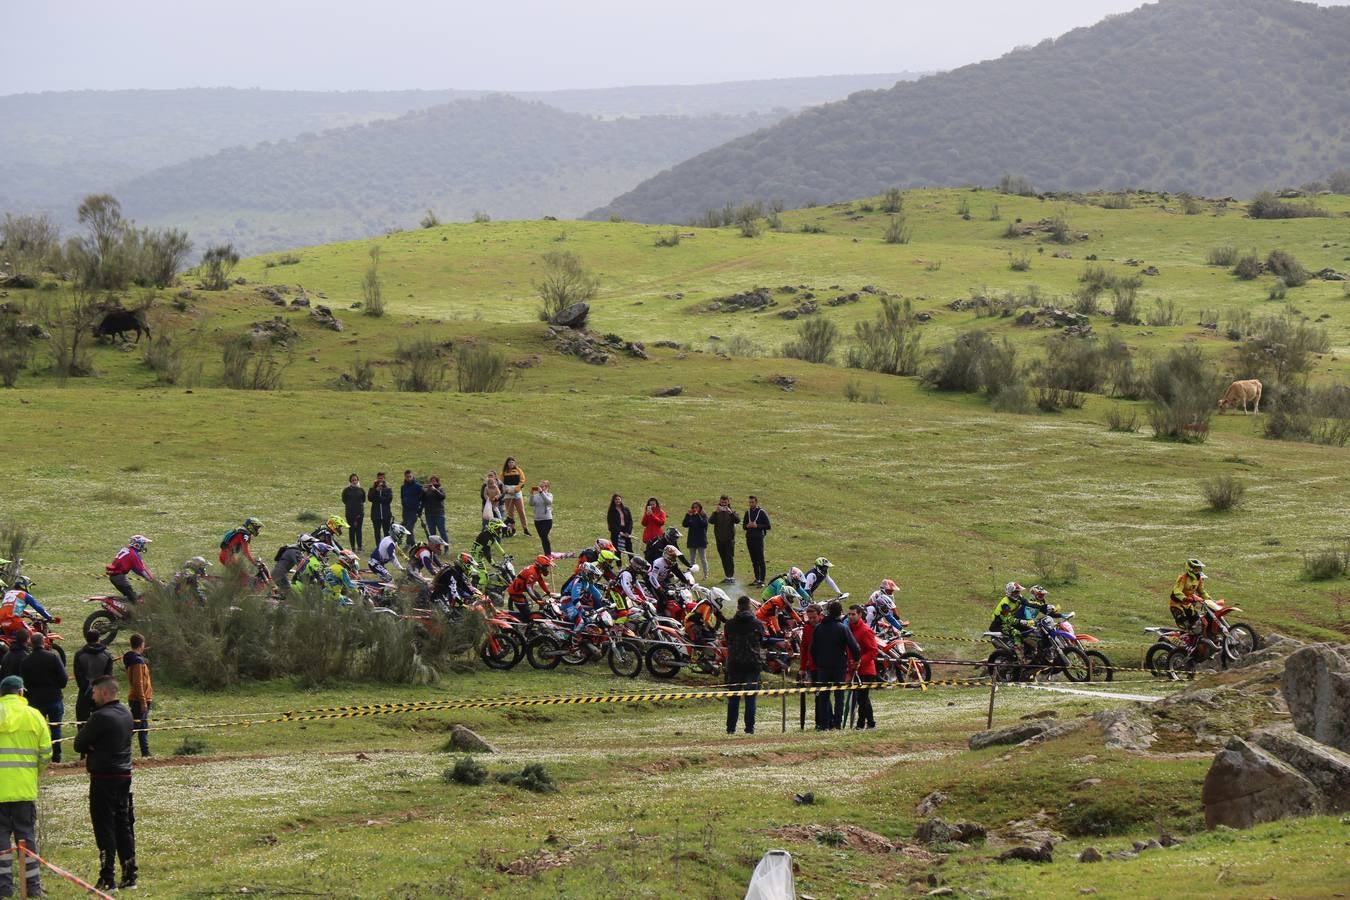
(503,647)
(1217,639)
(1165,641)
(900,660)
(677,651)
(1054,654)
(38,625)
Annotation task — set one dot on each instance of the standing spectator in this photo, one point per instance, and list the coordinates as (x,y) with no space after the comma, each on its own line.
(433,507)
(724,521)
(491,493)
(410,499)
(105,741)
(744,637)
(381,498)
(653,526)
(354,508)
(45,677)
(140,692)
(91,661)
(756,524)
(27,750)
(12,663)
(513,501)
(866,665)
(808,672)
(541,502)
(620,525)
(696,527)
(831,644)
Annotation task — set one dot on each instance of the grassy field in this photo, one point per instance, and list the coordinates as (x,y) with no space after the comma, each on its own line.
(937,491)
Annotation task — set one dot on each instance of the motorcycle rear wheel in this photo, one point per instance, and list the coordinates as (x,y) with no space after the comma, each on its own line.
(543,652)
(104,624)
(1180,664)
(1003,666)
(1155,658)
(1102,670)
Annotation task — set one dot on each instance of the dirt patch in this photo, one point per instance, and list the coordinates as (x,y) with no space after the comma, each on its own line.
(540,860)
(850,837)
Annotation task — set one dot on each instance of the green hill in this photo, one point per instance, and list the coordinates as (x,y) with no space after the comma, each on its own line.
(1222,97)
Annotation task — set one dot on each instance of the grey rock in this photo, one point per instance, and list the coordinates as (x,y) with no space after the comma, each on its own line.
(300,301)
(1042,854)
(1126,729)
(1325,766)
(1246,786)
(1316,685)
(1123,854)
(1166,839)
(467,740)
(930,803)
(942,892)
(1090,855)
(968,832)
(571,316)
(1014,734)
(933,831)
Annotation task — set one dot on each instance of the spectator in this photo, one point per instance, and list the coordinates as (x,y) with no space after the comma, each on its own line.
(831,644)
(744,637)
(410,499)
(808,673)
(433,507)
(492,498)
(91,661)
(513,501)
(724,521)
(866,665)
(12,663)
(45,677)
(756,524)
(541,502)
(27,750)
(354,508)
(381,498)
(140,692)
(696,530)
(620,524)
(653,526)
(105,741)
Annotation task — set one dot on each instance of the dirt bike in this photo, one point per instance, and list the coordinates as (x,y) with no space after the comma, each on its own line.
(35,624)
(676,651)
(503,647)
(1054,654)
(779,654)
(1217,640)
(900,659)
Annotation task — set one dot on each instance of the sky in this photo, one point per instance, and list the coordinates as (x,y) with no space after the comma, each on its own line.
(519,45)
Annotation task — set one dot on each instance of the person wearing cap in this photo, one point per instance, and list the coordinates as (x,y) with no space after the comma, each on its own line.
(25,750)
(45,679)
(105,741)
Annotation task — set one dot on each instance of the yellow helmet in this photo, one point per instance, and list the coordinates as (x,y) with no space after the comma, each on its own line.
(337,524)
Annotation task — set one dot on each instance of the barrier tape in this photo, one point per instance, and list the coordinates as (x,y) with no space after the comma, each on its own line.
(21,878)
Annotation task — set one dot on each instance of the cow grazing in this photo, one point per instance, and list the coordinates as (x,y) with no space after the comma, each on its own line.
(118,322)
(1243,392)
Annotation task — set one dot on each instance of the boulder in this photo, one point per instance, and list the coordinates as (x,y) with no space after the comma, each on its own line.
(467,740)
(1090,855)
(1032,832)
(1316,686)
(1014,734)
(1246,786)
(571,316)
(933,831)
(1042,854)
(1126,729)
(968,832)
(323,317)
(1326,767)
(672,391)
(931,802)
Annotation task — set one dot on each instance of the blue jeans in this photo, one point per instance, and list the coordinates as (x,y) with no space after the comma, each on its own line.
(744,680)
(54,712)
(436,525)
(830,705)
(140,717)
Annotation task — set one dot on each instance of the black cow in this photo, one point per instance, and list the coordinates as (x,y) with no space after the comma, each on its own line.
(118,322)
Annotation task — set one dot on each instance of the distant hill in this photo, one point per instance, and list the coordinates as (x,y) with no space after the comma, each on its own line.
(57,146)
(1211,96)
(508,157)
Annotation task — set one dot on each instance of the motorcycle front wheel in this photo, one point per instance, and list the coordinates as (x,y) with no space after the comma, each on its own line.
(664,660)
(543,652)
(1075,665)
(502,651)
(912,668)
(1242,640)
(1155,658)
(625,659)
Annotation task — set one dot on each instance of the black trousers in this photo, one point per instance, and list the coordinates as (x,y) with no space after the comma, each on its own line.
(543,527)
(830,704)
(755,544)
(113,814)
(742,680)
(355,521)
(18,818)
(726,550)
(123,585)
(380,526)
(862,699)
(410,523)
(84,705)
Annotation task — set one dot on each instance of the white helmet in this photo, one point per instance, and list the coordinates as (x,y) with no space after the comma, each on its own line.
(197,564)
(436,541)
(398,532)
(1012,589)
(138,542)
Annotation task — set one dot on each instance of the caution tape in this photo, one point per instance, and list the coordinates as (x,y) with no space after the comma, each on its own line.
(22,847)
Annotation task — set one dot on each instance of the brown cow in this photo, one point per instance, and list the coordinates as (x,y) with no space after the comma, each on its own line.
(1242,392)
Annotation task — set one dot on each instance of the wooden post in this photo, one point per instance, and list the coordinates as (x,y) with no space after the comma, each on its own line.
(993,686)
(21,870)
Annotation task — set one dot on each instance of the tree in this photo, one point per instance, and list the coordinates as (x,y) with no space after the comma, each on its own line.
(217,263)
(371,289)
(565,282)
(815,341)
(100,258)
(160,254)
(890,343)
(27,242)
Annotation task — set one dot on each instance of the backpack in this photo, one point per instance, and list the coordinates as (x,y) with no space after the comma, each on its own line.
(229,536)
(280,552)
(774,585)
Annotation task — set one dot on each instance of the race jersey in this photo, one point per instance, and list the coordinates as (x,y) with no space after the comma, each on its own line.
(817,576)
(530,575)
(128,560)
(235,544)
(387,552)
(16,602)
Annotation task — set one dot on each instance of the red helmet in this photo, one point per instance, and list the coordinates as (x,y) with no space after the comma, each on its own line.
(466,559)
(543,561)
(604,544)
(888,586)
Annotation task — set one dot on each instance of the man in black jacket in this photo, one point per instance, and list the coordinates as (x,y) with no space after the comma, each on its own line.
(756,525)
(91,661)
(410,498)
(12,662)
(745,639)
(831,644)
(45,677)
(433,507)
(105,741)
(724,520)
(354,508)
(381,497)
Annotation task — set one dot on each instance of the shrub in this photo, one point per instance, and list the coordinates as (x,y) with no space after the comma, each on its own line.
(1124,291)
(1012,230)
(742,346)
(165,355)
(1248,266)
(419,367)
(28,243)
(1016,184)
(852,391)
(17,540)
(1117,420)
(1072,363)
(71,329)
(972,362)
(1225,255)
(217,263)
(429,220)
(1237,324)
(815,341)
(1279,348)
(190,746)
(1052,567)
(480,217)
(360,378)
(1191,206)
(1165,312)
(1283,264)
(670,239)
(1319,415)
(253,364)
(480,369)
(1053,399)
(1019,263)
(1182,387)
(1278,291)
(565,282)
(747,219)
(1321,565)
(1266,205)
(897,231)
(774,220)
(889,344)
(1013,397)
(893,201)
(812,228)
(466,771)
(1058,230)
(994,214)
(1223,492)
(532,778)
(372,291)
(1117,201)
(963,209)
(1338,182)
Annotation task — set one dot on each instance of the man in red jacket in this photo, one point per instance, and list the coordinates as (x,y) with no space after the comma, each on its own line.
(866,665)
(808,666)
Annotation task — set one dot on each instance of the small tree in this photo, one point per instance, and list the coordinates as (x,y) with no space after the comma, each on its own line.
(217,263)
(27,243)
(747,219)
(897,230)
(480,369)
(161,253)
(815,341)
(253,364)
(429,220)
(99,258)
(565,282)
(372,292)
(419,367)
(1181,388)
(888,344)
(1339,181)
(71,332)
(893,201)
(481,217)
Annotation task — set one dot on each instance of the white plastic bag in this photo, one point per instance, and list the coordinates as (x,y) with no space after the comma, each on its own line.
(772,878)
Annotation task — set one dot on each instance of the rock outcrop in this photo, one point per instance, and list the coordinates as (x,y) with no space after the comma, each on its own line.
(1316,686)
(1246,786)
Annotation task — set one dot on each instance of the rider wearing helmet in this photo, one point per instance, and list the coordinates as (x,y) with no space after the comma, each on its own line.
(701,623)
(338,577)
(1014,612)
(775,610)
(592,553)
(454,583)
(530,584)
(237,541)
(794,578)
(312,569)
(425,559)
(582,592)
(489,539)
(189,580)
(630,580)
(881,606)
(17,600)
(819,574)
(330,531)
(128,560)
(1187,593)
(387,551)
(668,538)
(291,557)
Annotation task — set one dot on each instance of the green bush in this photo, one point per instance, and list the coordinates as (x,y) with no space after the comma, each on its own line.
(815,341)
(897,231)
(1266,205)
(973,362)
(167,357)
(1225,256)
(1182,387)
(893,201)
(1283,264)
(1318,415)
(1248,266)
(1117,201)
(669,239)
(360,378)
(480,369)
(1279,348)
(190,746)
(217,263)
(889,344)
(1321,565)
(419,367)
(253,364)
(1165,313)
(1019,263)
(532,778)
(565,281)
(466,771)
(1072,363)
(430,220)
(372,289)
(1016,184)
(1117,420)
(1223,492)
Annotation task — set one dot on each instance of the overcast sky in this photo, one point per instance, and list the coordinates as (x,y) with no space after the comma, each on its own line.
(517,45)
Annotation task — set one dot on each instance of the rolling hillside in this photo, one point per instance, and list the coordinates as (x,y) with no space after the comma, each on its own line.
(1212,96)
